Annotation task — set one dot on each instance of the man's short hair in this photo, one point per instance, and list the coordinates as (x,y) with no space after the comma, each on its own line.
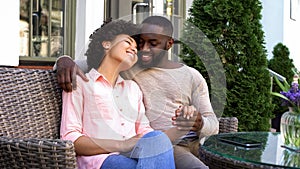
(162,22)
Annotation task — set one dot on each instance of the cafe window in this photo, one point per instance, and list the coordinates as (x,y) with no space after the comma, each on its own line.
(46,30)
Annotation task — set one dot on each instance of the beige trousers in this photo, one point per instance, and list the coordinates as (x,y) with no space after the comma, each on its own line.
(187,155)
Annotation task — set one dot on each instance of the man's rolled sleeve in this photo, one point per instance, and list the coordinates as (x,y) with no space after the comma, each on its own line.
(210,125)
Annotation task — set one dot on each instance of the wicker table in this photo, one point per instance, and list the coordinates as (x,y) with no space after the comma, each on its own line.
(218,154)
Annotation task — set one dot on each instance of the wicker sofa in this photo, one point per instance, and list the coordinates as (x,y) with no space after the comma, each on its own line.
(30,113)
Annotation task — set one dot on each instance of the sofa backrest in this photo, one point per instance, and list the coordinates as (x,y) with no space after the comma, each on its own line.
(30,103)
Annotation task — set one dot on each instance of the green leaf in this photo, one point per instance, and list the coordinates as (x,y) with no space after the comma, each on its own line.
(283,86)
(279,95)
(283,97)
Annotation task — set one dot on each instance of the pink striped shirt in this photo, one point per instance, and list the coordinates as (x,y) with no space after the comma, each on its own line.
(98,110)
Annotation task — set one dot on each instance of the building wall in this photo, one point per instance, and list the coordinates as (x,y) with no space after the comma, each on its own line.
(291,30)
(273,28)
(279,27)
(188,6)
(9,32)
(89,16)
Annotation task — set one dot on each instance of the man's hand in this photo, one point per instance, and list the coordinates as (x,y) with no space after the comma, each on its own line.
(66,74)
(188,119)
(198,125)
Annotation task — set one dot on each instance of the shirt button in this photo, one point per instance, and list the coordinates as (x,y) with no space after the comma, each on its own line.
(122,124)
(121,109)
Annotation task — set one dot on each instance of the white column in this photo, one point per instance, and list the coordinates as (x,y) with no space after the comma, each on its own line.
(291,27)
(89,16)
(189,4)
(9,32)
(283,29)
(158,7)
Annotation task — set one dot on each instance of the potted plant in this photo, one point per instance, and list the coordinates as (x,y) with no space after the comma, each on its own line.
(290,120)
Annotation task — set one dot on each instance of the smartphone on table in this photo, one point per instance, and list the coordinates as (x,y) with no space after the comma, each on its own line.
(239,141)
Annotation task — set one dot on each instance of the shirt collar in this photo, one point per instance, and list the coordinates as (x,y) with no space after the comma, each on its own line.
(95,75)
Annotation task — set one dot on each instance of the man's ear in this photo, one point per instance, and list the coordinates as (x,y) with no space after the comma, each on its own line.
(106,44)
(170,43)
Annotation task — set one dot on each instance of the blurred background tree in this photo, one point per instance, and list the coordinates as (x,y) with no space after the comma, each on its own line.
(235,31)
(283,65)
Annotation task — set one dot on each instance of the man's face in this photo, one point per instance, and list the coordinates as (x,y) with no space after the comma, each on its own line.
(153,45)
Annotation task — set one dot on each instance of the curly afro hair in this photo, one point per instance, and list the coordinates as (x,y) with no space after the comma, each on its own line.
(107,32)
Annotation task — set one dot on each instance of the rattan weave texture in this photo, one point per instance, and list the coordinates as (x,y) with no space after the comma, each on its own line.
(228,124)
(30,113)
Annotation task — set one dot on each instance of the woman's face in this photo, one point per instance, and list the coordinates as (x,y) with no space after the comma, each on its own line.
(124,50)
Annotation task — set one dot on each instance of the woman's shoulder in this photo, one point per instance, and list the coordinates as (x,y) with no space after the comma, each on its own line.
(131,83)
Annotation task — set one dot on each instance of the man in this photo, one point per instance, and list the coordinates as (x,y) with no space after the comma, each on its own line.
(167,86)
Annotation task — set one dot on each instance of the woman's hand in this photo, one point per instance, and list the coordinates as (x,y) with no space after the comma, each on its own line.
(186,112)
(128,144)
(187,118)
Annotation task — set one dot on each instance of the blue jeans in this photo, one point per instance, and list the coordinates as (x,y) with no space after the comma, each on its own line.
(154,150)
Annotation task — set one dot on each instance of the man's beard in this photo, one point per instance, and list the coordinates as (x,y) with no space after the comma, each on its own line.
(155,60)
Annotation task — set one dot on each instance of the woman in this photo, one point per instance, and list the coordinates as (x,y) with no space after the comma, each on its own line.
(105,117)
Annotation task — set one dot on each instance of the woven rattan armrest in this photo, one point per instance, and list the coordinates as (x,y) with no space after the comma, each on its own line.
(228,124)
(30,115)
(36,153)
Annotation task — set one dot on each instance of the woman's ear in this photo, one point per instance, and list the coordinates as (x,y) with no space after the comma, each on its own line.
(106,44)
